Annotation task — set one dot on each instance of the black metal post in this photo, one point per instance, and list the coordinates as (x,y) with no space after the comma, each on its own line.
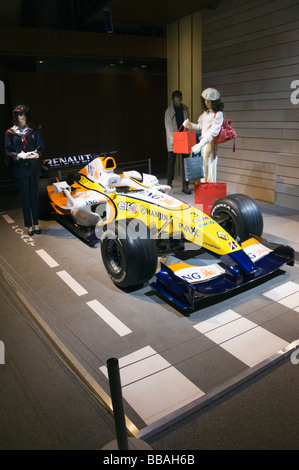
(117,403)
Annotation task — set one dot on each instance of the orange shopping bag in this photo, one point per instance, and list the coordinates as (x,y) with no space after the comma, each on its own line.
(183,141)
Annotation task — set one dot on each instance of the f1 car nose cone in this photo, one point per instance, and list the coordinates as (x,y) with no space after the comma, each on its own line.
(245,265)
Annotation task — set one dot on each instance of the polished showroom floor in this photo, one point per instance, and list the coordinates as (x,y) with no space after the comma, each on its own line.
(185,384)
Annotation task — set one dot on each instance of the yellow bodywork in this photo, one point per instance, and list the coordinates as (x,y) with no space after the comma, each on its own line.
(163,214)
(168,217)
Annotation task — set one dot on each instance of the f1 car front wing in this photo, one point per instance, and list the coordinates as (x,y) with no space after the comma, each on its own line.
(186,290)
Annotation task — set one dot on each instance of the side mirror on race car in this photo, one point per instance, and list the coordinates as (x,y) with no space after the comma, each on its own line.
(61,186)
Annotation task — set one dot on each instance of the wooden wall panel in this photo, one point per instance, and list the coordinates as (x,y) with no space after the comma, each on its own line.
(90,113)
(184,64)
(196,65)
(251,55)
(185,59)
(49,42)
(172,59)
(43,94)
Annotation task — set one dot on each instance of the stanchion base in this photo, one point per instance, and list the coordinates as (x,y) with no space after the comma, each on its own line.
(133,443)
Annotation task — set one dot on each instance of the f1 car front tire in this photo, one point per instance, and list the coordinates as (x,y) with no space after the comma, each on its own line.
(239,215)
(129,253)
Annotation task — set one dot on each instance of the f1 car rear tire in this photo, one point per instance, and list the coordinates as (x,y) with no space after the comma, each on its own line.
(239,215)
(129,253)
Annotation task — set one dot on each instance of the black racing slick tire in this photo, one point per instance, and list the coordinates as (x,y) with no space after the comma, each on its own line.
(239,215)
(129,253)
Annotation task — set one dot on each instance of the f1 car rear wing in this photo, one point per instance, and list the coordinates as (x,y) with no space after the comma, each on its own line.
(60,167)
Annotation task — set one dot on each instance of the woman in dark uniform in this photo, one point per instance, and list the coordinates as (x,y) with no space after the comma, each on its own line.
(23,147)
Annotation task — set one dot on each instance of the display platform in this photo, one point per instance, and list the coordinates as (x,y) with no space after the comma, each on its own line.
(170,363)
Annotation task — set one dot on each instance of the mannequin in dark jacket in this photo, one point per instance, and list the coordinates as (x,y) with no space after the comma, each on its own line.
(23,147)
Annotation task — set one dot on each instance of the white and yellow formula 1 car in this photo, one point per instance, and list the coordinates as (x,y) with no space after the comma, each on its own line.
(146,235)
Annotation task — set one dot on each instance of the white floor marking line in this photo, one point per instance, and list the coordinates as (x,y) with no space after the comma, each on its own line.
(240,337)
(7,218)
(136,356)
(292,301)
(109,318)
(282,291)
(287,294)
(216,321)
(47,258)
(152,386)
(72,283)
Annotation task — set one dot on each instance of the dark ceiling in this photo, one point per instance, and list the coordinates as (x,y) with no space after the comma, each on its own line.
(133,17)
(126,16)
(137,16)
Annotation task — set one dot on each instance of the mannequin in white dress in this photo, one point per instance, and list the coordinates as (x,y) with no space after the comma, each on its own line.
(209,123)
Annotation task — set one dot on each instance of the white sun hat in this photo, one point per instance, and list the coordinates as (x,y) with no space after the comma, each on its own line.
(210,94)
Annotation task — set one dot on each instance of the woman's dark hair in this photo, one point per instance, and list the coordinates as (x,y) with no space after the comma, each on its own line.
(15,118)
(216,105)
